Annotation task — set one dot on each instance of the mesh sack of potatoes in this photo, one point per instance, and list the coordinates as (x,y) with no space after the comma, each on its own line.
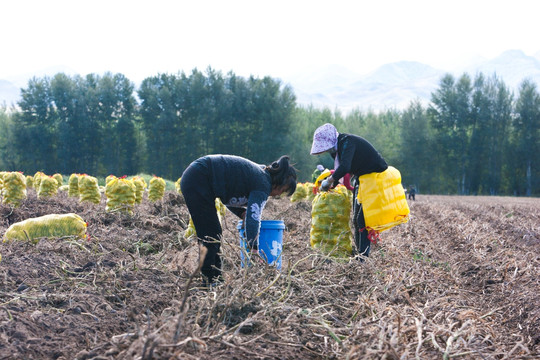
(140,186)
(310,191)
(109,178)
(89,189)
(59,178)
(29,181)
(120,194)
(37,179)
(156,189)
(177,186)
(47,226)
(47,187)
(14,188)
(300,193)
(73,185)
(330,229)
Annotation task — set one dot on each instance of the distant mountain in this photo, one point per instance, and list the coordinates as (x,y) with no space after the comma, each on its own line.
(391,86)
(9,93)
(21,80)
(395,85)
(512,66)
(10,87)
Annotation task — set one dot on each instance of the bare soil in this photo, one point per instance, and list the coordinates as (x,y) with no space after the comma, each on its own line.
(460,280)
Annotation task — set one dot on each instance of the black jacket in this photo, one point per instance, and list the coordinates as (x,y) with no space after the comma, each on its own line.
(242,185)
(357,157)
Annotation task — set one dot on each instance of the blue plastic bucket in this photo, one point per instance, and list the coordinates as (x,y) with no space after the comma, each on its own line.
(270,242)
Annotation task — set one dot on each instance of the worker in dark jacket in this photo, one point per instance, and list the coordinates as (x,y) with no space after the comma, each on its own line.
(243,187)
(355,155)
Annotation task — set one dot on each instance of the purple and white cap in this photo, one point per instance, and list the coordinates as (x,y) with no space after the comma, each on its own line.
(324,139)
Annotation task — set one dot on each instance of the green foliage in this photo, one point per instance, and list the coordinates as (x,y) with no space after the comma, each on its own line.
(185,117)
(472,138)
(8,155)
(417,162)
(526,140)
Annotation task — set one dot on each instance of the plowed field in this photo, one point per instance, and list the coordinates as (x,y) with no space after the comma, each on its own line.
(460,280)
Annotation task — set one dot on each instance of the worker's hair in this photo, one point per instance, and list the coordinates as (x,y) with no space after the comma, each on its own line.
(283,173)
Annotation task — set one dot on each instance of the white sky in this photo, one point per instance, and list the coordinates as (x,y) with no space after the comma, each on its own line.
(276,38)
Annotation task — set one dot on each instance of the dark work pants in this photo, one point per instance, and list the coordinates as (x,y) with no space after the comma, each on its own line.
(363,245)
(200,200)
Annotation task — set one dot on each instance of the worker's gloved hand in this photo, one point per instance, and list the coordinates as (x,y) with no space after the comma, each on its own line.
(325,185)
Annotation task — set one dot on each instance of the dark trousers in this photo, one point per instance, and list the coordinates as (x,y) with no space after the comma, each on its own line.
(363,245)
(200,200)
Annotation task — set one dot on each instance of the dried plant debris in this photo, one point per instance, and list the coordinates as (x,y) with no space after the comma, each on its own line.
(459,280)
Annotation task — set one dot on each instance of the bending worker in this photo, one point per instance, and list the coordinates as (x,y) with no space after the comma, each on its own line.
(243,186)
(355,155)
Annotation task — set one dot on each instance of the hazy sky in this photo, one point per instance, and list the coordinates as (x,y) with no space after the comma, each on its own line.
(276,38)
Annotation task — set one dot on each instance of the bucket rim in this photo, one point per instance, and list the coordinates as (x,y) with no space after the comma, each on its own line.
(266,224)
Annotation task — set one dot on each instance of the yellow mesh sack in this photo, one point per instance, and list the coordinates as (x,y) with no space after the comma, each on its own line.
(145,185)
(120,195)
(346,192)
(140,185)
(310,189)
(59,178)
(109,178)
(14,189)
(156,189)
(330,230)
(300,193)
(190,231)
(47,226)
(64,188)
(383,200)
(221,209)
(177,186)
(47,187)
(73,185)
(89,189)
(37,179)
(29,182)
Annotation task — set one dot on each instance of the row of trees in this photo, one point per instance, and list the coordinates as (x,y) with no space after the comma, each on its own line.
(474,137)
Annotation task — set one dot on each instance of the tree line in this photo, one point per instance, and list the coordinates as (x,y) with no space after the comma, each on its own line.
(475,136)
